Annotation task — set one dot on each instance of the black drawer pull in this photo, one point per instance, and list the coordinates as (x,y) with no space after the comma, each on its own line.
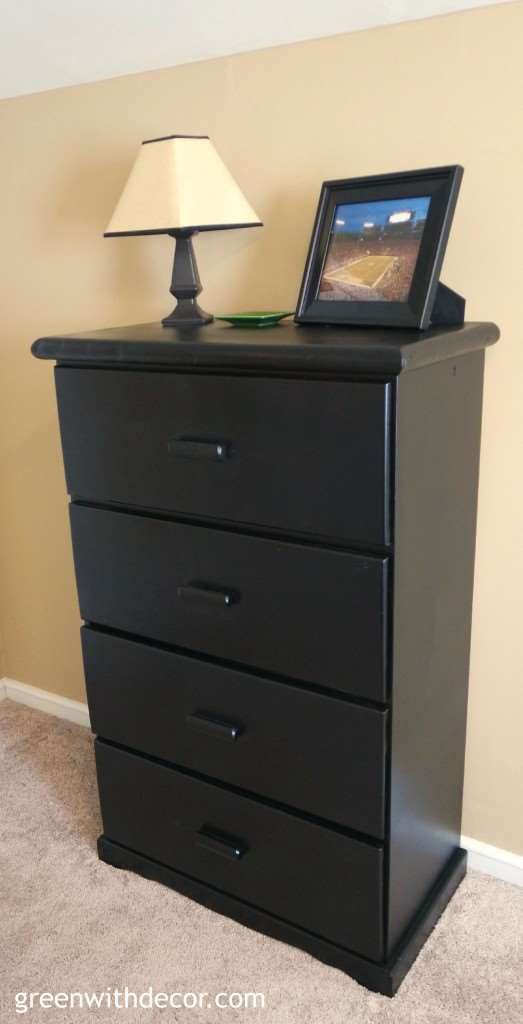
(214,726)
(191,448)
(205,594)
(219,842)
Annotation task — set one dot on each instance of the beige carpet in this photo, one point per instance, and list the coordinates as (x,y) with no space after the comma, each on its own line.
(70,923)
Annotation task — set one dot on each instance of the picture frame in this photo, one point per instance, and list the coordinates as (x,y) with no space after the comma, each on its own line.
(376,251)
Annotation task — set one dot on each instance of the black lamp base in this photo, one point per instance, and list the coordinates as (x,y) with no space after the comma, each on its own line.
(185,285)
(187,313)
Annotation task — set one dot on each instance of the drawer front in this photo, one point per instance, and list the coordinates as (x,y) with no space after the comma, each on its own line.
(316,753)
(306,874)
(306,613)
(303,456)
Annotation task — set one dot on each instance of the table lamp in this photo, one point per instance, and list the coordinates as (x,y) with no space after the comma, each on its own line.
(178,186)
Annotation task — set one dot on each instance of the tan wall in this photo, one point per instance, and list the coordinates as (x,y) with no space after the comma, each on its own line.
(431,92)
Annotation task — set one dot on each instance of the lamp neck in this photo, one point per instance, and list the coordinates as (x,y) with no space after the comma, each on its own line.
(182,232)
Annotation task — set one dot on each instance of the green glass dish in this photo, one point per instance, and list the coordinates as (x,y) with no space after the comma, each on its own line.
(253,319)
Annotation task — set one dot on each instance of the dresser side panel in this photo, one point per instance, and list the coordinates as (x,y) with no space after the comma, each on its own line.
(438,425)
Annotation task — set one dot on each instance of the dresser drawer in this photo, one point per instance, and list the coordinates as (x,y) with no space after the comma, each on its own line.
(302,456)
(245,848)
(307,613)
(316,753)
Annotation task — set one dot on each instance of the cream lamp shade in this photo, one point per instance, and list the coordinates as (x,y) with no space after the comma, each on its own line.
(180,182)
(178,186)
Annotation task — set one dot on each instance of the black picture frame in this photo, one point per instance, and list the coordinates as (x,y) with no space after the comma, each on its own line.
(442,185)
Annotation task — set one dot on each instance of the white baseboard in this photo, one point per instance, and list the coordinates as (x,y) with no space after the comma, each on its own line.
(43,700)
(491,860)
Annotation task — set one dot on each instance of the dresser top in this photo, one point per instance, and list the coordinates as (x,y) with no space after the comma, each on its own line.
(313,349)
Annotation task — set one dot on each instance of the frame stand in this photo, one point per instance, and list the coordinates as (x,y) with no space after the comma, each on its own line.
(448,309)
(185,285)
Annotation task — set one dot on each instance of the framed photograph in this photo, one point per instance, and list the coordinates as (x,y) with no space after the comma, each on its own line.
(377,247)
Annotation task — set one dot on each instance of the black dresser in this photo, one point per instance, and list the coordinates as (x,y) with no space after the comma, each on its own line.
(273,535)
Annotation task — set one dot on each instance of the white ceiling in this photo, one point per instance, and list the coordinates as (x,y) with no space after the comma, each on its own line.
(45,44)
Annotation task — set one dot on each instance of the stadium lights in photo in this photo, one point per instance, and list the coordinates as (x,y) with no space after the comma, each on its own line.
(377,248)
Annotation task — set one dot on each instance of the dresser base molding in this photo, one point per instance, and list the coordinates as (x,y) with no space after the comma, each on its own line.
(384,978)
